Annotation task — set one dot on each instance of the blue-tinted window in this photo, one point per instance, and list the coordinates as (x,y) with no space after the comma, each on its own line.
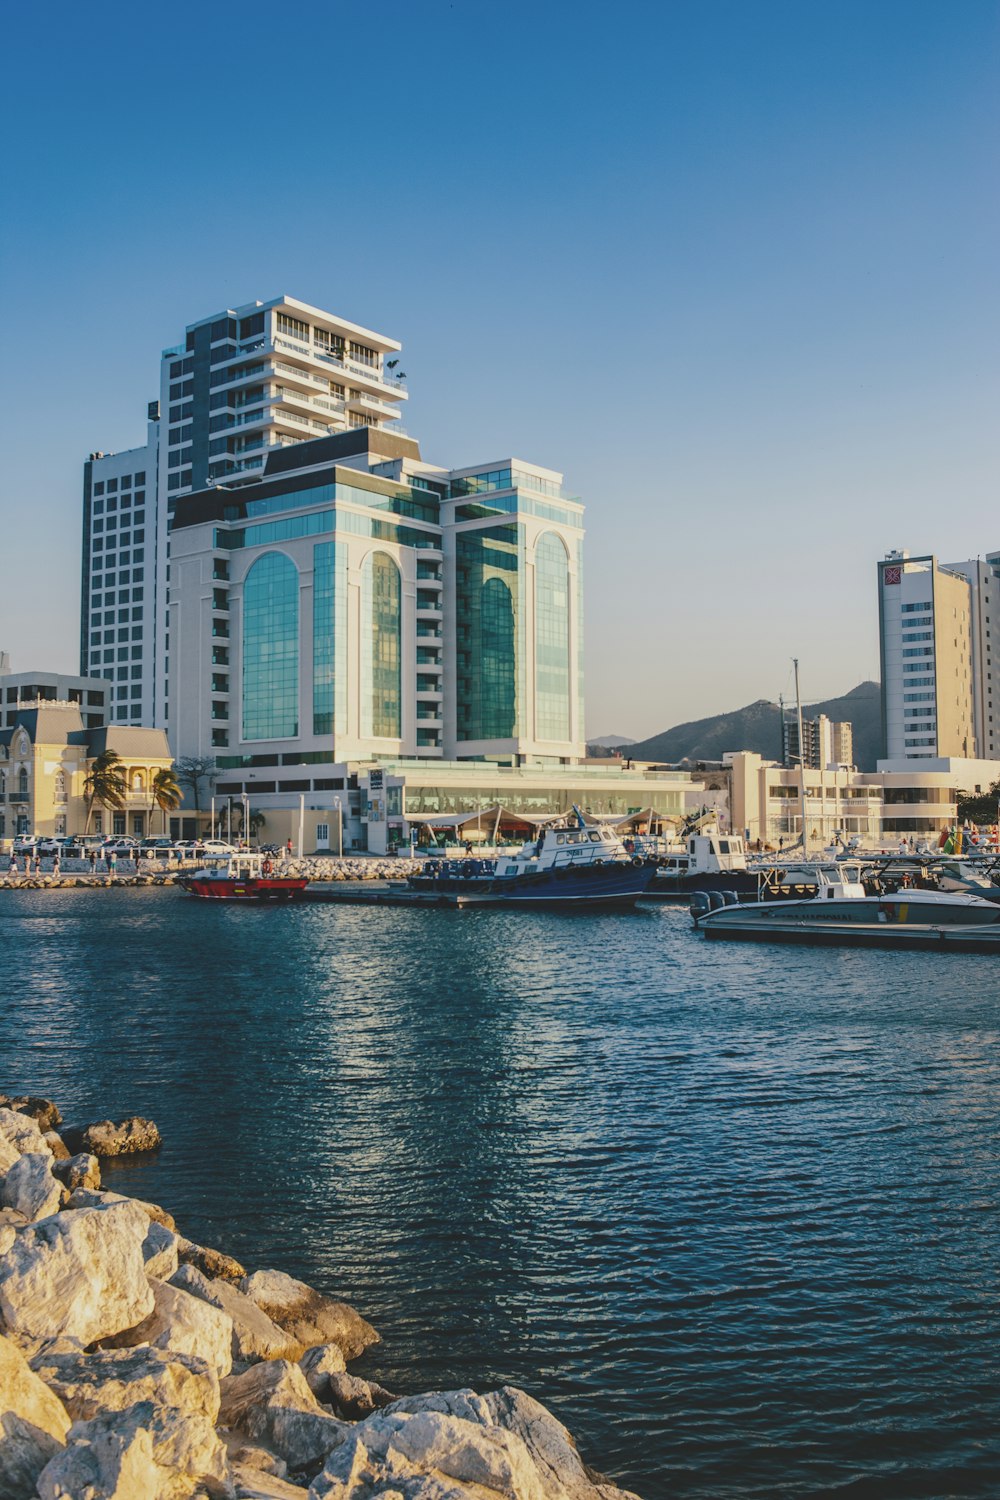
(552,654)
(271,649)
(381,620)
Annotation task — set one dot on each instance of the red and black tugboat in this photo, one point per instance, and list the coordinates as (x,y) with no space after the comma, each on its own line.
(244,876)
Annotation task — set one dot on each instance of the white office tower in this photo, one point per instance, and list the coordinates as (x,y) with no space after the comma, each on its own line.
(119,589)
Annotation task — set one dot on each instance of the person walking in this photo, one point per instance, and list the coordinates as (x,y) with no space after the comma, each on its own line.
(92,856)
(288,849)
(55,861)
(113,863)
(12,867)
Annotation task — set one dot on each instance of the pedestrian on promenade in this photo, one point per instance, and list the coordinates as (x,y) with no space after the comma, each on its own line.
(113,863)
(92,856)
(38,862)
(55,862)
(12,867)
(288,849)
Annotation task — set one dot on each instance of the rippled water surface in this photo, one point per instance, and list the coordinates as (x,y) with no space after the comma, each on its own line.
(731,1212)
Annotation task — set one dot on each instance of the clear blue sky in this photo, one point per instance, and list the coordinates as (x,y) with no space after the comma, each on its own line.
(731,266)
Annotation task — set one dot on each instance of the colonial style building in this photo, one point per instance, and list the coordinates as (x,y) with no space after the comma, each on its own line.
(45,757)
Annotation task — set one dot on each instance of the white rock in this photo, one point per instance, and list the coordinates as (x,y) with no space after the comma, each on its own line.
(83,1197)
(144,1453)
(8,1154)
(319,1363)
(30,1187)
(454,1444)
(185,1325)
(159,1250)
(253,1484)
(114,1379)
(33,1424)
(306,1315)
(273,1405)
(79,1274)
(255,1336)
(81,1171)
(22,1132)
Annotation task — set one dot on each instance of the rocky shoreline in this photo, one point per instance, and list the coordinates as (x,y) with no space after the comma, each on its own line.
(136,1364)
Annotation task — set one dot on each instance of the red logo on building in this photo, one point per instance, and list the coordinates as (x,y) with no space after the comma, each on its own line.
(892,575)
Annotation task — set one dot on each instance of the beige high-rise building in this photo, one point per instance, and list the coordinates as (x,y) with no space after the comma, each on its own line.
(930,668)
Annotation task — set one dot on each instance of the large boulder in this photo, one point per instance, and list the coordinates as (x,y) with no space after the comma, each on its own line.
(77,1273)
(115,1379)
(183,1324)
(33,1424)
(306,1315)
(106,1138)
(255,1336)
(9,1154)
(56,1145)
(22,1132)
(45,1114)
(211,1263)
(453,1444)
(149,1451)
(272,1404)
(81,1171)
(30,1188)
(354,1398)
(83,1197)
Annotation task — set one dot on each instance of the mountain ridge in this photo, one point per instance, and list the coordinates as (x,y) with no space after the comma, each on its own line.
(757,726)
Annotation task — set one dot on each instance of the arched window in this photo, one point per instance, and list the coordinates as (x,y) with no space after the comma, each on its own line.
(551,639)
(381,620)
(22,781)
(271,649)
(137,781)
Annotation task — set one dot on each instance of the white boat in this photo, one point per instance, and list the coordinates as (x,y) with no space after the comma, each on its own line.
(840,905)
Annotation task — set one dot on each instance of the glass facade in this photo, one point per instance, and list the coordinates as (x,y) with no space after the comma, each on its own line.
(271,649)
(329,636)
(381,614)
(488,584)
(552,643)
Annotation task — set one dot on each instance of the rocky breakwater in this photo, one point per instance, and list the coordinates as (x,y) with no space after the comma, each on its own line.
(136,1364)
(318,867)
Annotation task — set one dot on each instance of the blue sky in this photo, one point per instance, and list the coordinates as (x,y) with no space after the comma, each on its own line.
(732,267)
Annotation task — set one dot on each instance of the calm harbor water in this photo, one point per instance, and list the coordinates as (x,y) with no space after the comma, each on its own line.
(731,1212)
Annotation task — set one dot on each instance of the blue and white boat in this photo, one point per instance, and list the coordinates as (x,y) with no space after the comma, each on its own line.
(583,865)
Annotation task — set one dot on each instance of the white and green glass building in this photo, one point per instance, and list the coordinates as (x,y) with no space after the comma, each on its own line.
(356,603)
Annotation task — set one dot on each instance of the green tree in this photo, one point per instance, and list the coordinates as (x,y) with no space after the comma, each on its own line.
(981,807)
(164,793)
(105,783)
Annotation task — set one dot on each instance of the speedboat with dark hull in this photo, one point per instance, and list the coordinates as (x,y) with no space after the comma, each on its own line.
(584,866)
(244,877)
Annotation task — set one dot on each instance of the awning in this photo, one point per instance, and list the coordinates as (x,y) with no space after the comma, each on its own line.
(485,817)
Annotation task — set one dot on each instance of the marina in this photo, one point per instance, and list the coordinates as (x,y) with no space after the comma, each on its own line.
(469,1127)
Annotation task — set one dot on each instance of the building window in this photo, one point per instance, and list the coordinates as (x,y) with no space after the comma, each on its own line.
(271,649)
(488,594)
(552,639)
(329,627)
(380,611)
(59,787)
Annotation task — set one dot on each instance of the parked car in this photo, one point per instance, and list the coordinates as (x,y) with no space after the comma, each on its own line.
(25,843)
(217,846)
(156,848)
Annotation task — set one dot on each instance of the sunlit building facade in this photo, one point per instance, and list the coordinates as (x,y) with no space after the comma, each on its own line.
(357,603)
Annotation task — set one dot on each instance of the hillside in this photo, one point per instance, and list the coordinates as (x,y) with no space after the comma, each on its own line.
(610,741)
(758,727)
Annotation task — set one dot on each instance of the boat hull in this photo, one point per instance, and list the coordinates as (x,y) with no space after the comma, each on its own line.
(962,938)
(272,892)
(586,887)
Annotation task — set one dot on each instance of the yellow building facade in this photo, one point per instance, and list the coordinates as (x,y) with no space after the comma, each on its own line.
(45,757)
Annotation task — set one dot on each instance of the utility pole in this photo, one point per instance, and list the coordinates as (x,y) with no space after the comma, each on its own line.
(802,758)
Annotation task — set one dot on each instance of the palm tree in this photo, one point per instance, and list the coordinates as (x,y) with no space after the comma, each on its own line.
(164,793)
(105,783)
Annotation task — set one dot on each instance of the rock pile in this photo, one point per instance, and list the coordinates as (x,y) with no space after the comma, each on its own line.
(138,1365)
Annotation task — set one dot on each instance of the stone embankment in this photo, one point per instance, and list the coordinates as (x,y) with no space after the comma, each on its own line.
(136,1364)
(316,867)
